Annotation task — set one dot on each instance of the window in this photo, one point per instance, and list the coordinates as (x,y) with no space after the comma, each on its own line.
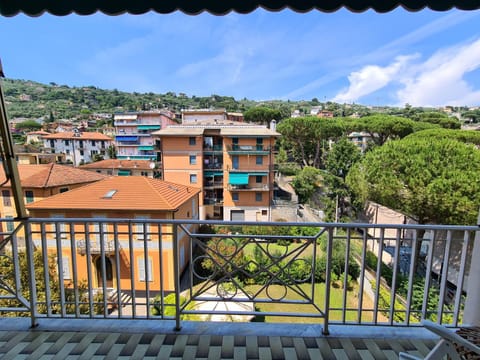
(29,196)
(67,152)
(80,144)
(66,142)
(66,268)
(10,224)
(64,189)
(142,227)
(259,160)
(142,274)
(235,196)
(81,152)
(258,179)
(6,198)
(52,143)
(193,159)
(235,141)
(103,144)
(193,178)
(258,196)
(93,143)
(264,212)
(192,141)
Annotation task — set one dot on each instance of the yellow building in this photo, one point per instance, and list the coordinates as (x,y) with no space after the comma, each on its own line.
(144,250)
(232,163)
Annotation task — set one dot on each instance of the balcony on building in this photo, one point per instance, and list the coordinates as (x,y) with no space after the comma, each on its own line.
(236,149)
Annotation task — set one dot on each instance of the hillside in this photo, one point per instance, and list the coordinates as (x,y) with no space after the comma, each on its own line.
(33,100)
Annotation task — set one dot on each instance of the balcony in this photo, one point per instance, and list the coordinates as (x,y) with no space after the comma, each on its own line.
(253,187)
(236,149)
(285,277)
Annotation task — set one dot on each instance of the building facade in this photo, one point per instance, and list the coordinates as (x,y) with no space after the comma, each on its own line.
(133,139)
(136,199)
(120,167)
(232,163)
(79,147)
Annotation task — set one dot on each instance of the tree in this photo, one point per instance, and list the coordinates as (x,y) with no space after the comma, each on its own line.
(441,119)
(262,115)
(383,127)
(305,183)
(465,136)
(306,138)
(435,181)
(343,155)
(28,125)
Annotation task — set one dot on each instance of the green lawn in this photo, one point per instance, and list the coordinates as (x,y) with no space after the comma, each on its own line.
(336,299)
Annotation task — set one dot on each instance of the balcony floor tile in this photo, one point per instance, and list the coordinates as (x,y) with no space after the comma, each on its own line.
(103,339)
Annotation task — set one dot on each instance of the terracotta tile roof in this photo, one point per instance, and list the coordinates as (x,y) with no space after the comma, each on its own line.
(116,163)
(51,175)
(80,136)
(129,193)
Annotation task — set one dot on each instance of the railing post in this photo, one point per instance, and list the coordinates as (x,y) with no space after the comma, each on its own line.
(328,272)
(176,274)
(472,311)
(31,273)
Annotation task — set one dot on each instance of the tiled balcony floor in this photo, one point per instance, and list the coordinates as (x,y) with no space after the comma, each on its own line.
(94,339)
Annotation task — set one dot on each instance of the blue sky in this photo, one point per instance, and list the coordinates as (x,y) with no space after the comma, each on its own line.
(425,58)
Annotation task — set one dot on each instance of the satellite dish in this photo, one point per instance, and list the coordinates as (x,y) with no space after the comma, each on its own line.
(151,165)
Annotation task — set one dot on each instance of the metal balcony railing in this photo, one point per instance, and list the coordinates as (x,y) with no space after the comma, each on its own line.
(203,270)
(253,187)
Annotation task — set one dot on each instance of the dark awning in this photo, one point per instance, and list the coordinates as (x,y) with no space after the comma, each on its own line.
(116,7)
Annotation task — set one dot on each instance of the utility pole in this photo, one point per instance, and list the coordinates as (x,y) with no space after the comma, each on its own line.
(8,156)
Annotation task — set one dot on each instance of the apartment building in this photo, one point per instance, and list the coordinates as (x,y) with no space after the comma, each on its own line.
(144,249)
(231,162)
(194,116)
(79,147)
(133,139)
(119,167)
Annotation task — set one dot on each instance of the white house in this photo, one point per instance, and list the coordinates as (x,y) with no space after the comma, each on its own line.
(79,147)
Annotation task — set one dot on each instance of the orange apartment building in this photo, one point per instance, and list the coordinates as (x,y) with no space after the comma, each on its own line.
(232,164)
(120,197)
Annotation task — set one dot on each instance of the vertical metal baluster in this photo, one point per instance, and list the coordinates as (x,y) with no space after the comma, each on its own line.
(73,252)
(378,275)
(444,275)
(176,280)
(428,275)
(393,288)
(461,278)
(61,282)
(328,279)
(345,276)
(132,269)
(32,284)
(411,275)
(362,275)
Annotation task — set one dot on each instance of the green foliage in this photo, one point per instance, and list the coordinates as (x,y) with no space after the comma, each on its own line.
(384,299)
(382,127)
(433,181)
(465,136)
(168,309)
(306,182)
(7,270)
(262,115)
(305,139)
(439,118)
(28,125)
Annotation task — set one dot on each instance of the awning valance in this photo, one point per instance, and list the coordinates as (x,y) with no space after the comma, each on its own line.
(124,172)
(126,138)
(149,127)
(213,173)
(116,7)
(238,179)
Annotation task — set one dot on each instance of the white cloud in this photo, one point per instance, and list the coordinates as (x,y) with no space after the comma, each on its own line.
(371,78)
(441,79)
